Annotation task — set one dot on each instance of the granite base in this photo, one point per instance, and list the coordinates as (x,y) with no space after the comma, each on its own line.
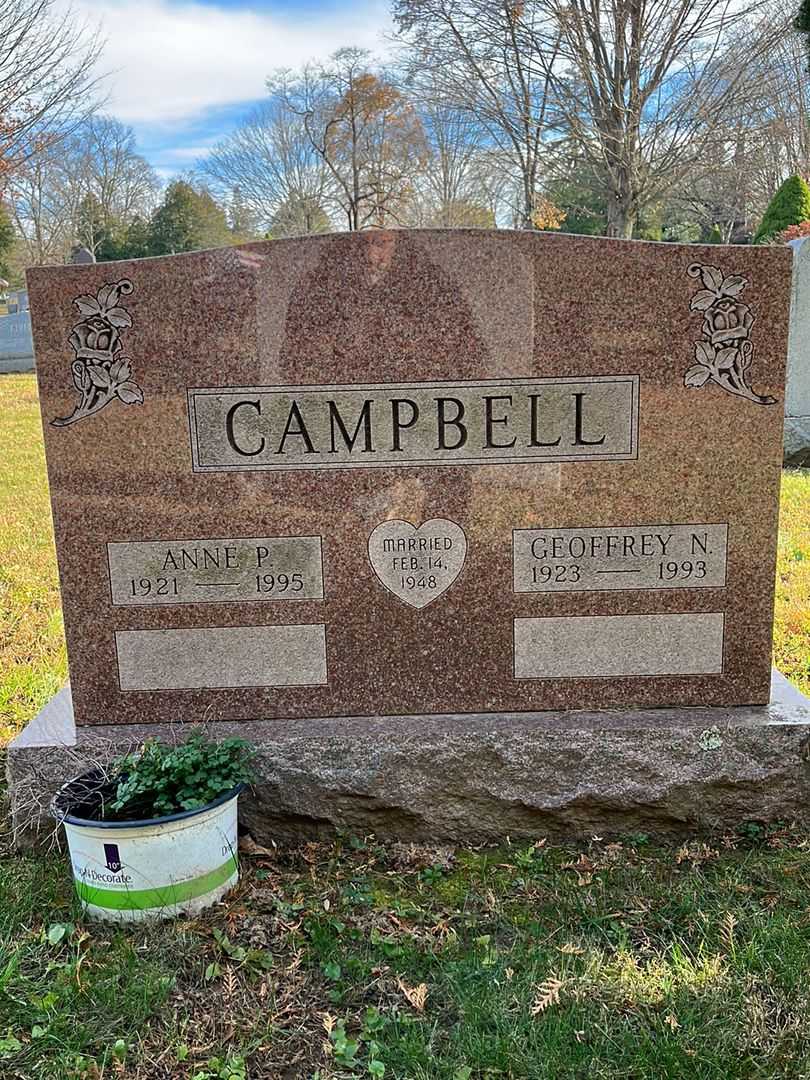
(474,778)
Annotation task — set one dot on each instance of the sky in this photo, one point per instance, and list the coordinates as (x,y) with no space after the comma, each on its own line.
(183,73)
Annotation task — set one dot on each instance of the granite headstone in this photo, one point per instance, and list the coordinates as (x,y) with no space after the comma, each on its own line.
(408,473)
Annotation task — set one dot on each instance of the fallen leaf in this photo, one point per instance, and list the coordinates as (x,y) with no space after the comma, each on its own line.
(548,994)
(248,846)
(727,924)
(414,995)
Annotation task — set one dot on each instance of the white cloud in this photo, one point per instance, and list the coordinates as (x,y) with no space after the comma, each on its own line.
(191,153)
(171,61)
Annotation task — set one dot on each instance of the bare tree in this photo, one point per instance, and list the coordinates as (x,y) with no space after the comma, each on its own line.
(776,118)
(448,182)
(499,187)
(715,194)
(44,206)
(746,152)
(47,84)
(109,167)
(363,129)
(480,57)
(643,86)
(81,188)
(278,173)
(627,85)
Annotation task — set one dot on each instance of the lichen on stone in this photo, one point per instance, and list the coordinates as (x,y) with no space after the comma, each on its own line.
(710,739)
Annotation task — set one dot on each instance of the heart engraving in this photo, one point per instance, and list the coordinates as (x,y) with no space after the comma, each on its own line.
(417,564)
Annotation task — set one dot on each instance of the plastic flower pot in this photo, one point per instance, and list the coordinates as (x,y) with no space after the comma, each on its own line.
(156,868)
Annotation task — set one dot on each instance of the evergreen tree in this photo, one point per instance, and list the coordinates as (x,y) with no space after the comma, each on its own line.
(789,206)
(136,240)
(574,192)
(110,238)
(6,241)
(188,220)
(131,241)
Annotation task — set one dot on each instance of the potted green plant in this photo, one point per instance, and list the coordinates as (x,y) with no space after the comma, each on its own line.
(153,833)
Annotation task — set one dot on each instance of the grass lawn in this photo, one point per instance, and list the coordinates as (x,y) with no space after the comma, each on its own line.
(356,959)
(33,664)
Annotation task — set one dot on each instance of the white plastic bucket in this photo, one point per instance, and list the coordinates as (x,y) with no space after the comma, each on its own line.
(126,871)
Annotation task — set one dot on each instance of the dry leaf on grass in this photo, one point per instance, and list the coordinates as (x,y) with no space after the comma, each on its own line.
(568,949)
(442,930)
(727,924)
(584,869)
(416,996)
(328,1022)
(700,853)
(417,857)
(548,994)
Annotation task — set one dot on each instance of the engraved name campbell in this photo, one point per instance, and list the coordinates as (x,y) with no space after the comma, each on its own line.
(414,424)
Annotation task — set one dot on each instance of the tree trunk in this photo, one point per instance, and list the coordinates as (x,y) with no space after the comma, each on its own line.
(622,195)
(527,214)
(621,214)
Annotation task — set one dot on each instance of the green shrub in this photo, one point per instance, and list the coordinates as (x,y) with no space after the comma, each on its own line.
(789,206)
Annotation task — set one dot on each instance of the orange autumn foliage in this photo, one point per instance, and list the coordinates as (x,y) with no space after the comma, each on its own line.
(545,214)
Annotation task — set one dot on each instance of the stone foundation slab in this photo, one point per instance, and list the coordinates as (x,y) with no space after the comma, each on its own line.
(474,778)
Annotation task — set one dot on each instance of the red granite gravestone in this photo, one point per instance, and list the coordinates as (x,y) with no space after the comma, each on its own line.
(472,534)
(408,473)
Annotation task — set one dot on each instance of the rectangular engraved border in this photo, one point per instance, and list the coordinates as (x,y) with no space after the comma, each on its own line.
(624,615)
(630,588)
(215,600)
(631,455)
(241,687)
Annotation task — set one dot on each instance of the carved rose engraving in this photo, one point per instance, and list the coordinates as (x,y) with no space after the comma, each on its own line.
(101,373)
(725,353)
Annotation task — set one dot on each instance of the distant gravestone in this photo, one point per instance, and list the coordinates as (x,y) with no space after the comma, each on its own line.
(82,255)
(797,393)
(16,344)
(417,475)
